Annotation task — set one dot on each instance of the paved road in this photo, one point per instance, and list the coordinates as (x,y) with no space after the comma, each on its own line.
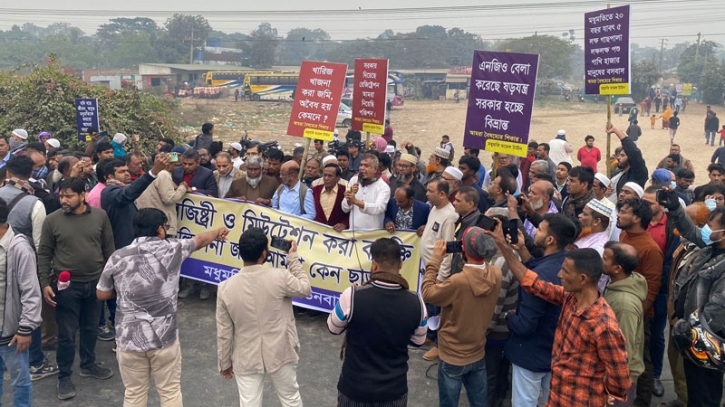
(202,386)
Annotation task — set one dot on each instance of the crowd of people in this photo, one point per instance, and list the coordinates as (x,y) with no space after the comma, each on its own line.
(543,281)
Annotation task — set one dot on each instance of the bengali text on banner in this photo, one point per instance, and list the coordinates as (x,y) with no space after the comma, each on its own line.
(370,95)
(501,102)
(333,261)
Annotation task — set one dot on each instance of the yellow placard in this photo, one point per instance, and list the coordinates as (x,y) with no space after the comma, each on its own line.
(506,147)
(333,261)
(373,128)
(318,134)
(614,89)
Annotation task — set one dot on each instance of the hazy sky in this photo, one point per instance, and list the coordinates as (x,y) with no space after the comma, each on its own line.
(675,20)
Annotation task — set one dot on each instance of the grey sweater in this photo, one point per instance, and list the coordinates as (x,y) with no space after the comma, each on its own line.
(80,244)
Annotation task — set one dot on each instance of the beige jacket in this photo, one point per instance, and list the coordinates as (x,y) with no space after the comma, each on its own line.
(256,330)
(163,194)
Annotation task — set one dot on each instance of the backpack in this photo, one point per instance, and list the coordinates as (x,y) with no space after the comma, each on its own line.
(303,194)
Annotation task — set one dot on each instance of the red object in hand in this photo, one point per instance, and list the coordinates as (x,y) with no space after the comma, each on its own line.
(64,276)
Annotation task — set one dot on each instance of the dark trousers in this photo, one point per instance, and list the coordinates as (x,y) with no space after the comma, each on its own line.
(497,371)
(646,382)
(36,348)
(344,401)
(659,323)
(432,311)
(78,308)
(111,313)
(704,386)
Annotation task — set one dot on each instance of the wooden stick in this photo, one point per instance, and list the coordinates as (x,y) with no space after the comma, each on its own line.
(609,135)
(304,158)
(493,170)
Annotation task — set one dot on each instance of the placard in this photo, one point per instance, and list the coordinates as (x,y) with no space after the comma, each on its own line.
(607,69)
(317,100)
(369,95)
(501,102)
(86,116)
(333,261)
(686,89)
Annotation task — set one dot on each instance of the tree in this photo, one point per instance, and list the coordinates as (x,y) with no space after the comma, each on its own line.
(713,83)
(110,33)
(179,30)
(555,53)
(263,46)
(644,74)
(694,60)
(304,43)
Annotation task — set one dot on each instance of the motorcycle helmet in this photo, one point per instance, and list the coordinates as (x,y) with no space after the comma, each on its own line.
(697,342)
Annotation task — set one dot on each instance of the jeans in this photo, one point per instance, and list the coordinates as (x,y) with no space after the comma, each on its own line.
(19,368)
(111,313)
(36,348)
(529,389)
(704,386)
(710,136)
(497,370)
(657,344)
(472,376)
(78,308)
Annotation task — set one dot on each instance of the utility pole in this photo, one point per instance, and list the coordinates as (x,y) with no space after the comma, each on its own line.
(697,49)
(191,46)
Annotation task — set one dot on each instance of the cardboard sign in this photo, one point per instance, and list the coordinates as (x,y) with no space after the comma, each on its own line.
(607,68)
(86,116)
(317,100)
(501,102)
(369,95)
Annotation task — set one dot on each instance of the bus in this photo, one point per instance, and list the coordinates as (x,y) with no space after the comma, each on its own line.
(230,79)
(394,94)
(270,86)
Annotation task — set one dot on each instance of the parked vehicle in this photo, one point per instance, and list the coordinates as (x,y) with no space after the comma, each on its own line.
(626,103)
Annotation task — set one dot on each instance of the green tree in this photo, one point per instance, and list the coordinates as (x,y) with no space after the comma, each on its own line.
(263,44)
(174,43)
(304,43)
(111,33)
(713,83)
(555,53)
(694,59)
(645,73)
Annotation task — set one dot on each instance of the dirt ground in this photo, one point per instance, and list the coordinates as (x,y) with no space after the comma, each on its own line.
(423,123)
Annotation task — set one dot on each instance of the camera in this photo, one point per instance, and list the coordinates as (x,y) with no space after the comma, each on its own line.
(281,244)
(454,247)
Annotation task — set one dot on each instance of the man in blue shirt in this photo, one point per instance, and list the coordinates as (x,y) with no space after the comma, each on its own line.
(4,151)
(292,196)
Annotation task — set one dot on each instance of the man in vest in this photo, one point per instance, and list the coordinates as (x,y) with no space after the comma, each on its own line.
(26,216)
(375,365)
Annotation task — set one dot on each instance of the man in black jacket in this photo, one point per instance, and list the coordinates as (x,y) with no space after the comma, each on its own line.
(466,204)
(631,163)
(200,179)
(707,278)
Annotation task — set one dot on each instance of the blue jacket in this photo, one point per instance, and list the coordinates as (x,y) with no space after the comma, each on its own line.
(420,213)
(534,323)
(203,180)
(119,204)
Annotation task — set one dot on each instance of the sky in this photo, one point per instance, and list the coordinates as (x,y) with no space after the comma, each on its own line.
(676,21)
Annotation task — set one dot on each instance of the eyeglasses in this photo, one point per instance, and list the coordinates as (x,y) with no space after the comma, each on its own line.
(167,227)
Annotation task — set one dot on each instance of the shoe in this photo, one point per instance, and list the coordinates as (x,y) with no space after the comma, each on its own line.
(204,293)
(658,390)
(66,389)
(106,334)
(114,348)
(97,372)
(431,355)
(42,371)
(185,292)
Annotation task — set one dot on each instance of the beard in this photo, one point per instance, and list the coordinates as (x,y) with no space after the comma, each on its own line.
(254,182)
(586,231)
(536,205)
(622,165)
(431,168)
(70,209)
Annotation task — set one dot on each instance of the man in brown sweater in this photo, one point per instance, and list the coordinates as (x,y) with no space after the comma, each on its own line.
(254,186)
(633,218)
(468,300)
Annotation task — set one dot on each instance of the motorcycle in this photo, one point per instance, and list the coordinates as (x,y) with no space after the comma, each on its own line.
(264,147)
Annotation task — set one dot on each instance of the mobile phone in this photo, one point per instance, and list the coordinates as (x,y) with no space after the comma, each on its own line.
(662,196)
(513,231)
(173,157)
(104,133)
(454,247)
(281,244)
(487,223)
(519,200)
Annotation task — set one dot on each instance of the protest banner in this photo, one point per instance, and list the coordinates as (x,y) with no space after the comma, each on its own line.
(317,100)
(501,101)
(686,89)
(86,116)
(333,261)
(607,68)
(369,95)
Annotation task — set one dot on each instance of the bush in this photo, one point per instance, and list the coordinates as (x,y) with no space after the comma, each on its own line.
(43,100)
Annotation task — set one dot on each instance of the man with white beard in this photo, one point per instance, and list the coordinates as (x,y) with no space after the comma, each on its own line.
(254,187)
(538,203)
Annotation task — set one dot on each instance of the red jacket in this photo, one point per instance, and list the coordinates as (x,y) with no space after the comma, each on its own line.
(337,215)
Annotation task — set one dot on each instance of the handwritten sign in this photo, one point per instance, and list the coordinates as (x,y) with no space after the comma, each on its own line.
(607,66)
(317,100)
(86,116)
(501,102)
(370,95)
(333,261)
